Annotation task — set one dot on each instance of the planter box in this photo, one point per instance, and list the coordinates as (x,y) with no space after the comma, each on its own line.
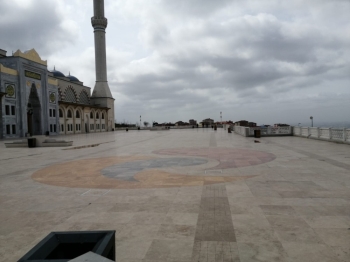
(65,246)
(31,142)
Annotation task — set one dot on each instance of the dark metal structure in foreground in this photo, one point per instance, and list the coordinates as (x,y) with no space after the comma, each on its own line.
(65,246)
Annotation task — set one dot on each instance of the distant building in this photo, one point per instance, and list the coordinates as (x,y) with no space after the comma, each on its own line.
(180,123)
(208,122)
(241,123)
(245,123)
(277,125)
(192,122)
(163,124)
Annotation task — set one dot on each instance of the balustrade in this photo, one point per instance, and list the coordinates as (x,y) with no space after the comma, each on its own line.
(249,131)
(336,134)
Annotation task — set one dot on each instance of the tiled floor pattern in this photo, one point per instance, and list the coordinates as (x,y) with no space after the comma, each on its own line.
(86,174)
(214,218)
(215,237)
(144,171)
(294,208)
(316,156)
(227,157)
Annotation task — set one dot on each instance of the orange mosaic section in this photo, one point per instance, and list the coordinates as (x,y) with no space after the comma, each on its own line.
(86,173)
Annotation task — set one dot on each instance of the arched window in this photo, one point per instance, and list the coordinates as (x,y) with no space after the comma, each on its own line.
(103,116)
(97,116)
(77,114)
(69,113)
(70,95)
(60,112)
(91,115)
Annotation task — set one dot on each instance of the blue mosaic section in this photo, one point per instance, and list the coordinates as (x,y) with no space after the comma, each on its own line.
(126,171)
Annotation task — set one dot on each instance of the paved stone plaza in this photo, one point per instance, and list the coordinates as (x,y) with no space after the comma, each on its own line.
(182,195)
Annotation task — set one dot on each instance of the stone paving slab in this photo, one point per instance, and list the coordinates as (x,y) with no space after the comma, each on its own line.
(182,195)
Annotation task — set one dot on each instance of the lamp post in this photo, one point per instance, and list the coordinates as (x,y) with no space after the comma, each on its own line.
(312,121)
(140,121)
(221,117)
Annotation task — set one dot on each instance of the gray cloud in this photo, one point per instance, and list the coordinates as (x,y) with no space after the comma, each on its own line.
(194,7)
(271,57)
(34,24)
(267,61)
(255,57)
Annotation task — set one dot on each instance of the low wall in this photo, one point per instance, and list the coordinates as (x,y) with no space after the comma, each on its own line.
(130,128)
(264,131)
(149,128)
(341,135)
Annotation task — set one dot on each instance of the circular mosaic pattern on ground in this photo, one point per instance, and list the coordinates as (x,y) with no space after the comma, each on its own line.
(128,172)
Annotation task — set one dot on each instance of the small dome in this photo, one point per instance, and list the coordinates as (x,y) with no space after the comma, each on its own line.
(57,73)
(72,78)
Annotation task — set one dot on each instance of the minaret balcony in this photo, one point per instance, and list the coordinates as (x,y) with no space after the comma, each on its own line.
(99,21)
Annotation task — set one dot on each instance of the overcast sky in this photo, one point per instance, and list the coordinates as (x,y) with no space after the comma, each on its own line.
(263,61)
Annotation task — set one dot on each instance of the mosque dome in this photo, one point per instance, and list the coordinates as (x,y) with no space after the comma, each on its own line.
(57,73)
(72,78)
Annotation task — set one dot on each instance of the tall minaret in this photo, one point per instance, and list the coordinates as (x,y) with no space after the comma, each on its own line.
(102,94)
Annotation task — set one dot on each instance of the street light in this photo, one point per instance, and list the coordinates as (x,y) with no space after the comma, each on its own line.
(221,117)
(140,121)
(312,121)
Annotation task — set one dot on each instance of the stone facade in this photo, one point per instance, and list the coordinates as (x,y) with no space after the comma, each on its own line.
(36,101)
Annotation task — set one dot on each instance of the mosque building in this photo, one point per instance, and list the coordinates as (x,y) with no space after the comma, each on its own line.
(36,101)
